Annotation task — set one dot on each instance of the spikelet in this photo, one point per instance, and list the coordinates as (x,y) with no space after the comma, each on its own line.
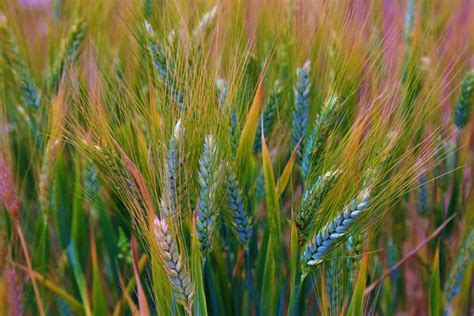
(314,143)
(163,65)
(422,199)
(409,21)
(334,231)
(207,179)
(335,284)
(234,129)
(445,157)
(29,91)
(8,196)
(312,197)
(269,115)
(463,105)
(464,258)
(178,275)
(46,174)
(69,50)
(301,105)
(354,249)
(157,53)
(205,23)
(90,181)
(172,166)
(241,223)
(393,256)
(221,87)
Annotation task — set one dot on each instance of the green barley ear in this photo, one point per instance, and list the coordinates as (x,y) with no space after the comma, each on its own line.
(172,170)
(313,195)
(68,52)
(222,87)
(90,181)
(463,105)
(269,115)
(241,223)
(162,64)
(46,174)
(464,258)
(301,106)
(354,247)
(14,59)
(409,21)
(314,144)
(422,198)
(234,129)
(335,282)
(208,184)
(183,288)
(334,231)
(205,23)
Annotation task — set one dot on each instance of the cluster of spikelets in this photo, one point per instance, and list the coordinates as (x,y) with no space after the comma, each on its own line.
(180,180)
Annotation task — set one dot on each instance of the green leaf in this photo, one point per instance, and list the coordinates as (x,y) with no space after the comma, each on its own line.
(79,276)
(295,286)
(199,306)
(272,204)
(273,256)
(99,303)
(285,176)
(245,149)
(435,301)
(357,301)
(269,293)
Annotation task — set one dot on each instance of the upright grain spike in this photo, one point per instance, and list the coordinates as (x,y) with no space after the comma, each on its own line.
(68,52)
(240,220)
(462,109)
(29,91)
(301,105)
(208,182)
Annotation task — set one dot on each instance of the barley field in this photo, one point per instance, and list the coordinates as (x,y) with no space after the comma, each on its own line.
(236,157)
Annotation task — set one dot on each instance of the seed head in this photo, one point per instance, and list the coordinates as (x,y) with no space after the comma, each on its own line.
(183,288)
